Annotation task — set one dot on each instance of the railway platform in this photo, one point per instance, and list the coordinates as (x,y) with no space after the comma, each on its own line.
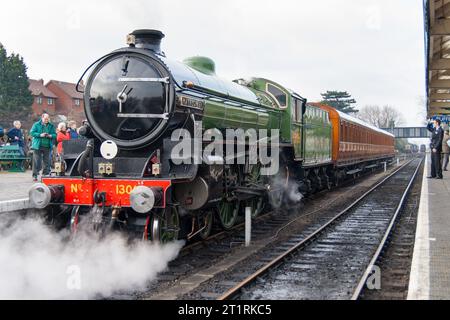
(14,190)
(430,273)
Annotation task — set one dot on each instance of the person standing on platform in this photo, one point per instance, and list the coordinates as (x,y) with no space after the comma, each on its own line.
(73,130)
(437,135)
(445,149)
(62,135)
(43,133)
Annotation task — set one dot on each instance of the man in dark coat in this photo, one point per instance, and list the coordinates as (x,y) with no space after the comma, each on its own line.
(15,136)
(437,135)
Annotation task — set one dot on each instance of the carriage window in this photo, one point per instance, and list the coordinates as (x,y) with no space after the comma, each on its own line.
(278,94)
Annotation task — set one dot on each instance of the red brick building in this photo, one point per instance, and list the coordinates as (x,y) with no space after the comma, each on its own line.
(57,98)
(69,102)
(44,100)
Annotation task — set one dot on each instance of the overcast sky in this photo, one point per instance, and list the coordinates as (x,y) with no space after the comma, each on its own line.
(374,49)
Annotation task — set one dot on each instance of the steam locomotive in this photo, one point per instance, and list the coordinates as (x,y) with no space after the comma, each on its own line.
(126,174)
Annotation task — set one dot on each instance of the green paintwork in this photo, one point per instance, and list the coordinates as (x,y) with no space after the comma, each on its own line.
(11,159)
(317,136)
(202,64)
(244,104)
(228,213)
(169,224)
(235,114)
(296,127)
(223,113)
(222,116)
(247,104)
(284,121)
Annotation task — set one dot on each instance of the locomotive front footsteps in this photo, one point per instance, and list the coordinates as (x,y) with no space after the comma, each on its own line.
(140,107)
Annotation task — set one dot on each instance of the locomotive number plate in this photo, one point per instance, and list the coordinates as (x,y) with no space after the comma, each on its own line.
(81,191)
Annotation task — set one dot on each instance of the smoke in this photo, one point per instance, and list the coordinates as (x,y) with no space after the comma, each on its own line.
(292,194)
(38,263)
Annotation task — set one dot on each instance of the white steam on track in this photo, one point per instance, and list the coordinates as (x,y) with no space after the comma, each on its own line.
(292,193)
(38,263)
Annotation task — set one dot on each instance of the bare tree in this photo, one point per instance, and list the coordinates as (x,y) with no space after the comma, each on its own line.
(370,114)
(390,114)
(381,117)
(422,113)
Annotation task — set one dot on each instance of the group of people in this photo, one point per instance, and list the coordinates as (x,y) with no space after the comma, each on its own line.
(43,136)
(440,149)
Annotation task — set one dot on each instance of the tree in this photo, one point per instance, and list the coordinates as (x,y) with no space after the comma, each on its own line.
(422,114)
(381,117)
(371,115)
(340,100)
(400,144)
(14,94)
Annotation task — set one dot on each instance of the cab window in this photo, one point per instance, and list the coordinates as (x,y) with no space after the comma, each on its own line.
(278,94)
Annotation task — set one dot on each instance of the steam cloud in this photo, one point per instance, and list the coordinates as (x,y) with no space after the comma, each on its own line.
(38,263)
(292,193)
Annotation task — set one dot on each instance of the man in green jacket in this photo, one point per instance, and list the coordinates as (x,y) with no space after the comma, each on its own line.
(43,133)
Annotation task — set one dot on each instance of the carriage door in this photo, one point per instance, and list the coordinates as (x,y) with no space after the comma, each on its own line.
(297,116)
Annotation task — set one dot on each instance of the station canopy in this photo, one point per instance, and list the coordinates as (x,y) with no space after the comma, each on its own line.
(437,46)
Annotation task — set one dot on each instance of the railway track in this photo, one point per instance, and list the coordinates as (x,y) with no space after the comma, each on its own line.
(267,216)
(335,260)
(196,259)
(396,258)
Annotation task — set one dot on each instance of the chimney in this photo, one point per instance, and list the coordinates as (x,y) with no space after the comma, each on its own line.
(148,39)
